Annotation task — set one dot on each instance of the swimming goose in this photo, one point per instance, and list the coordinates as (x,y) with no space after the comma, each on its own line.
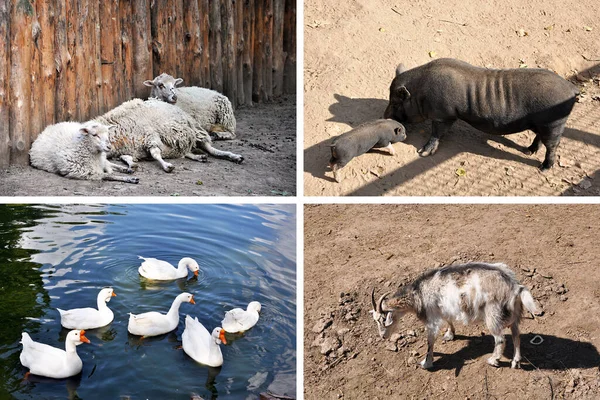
(238,320)
(154,323)
(202,346)
(45,360)
(89,318)
(160,270)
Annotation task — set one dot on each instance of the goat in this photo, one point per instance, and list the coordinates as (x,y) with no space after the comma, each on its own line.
(466,293)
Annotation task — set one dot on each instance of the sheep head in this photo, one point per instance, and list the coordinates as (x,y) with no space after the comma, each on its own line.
(163,88)
(97,134)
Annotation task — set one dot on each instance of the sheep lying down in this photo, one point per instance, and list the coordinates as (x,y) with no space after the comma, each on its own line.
(211,109)
(78,151)
(153,129)
(466,293)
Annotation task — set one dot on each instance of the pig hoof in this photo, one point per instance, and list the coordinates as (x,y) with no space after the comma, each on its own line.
(545,166)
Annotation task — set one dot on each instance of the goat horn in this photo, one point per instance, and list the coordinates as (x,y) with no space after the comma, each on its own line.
(380,302)
(373,300)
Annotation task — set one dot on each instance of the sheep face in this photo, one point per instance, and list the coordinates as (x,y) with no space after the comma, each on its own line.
(163,88)
(97,134)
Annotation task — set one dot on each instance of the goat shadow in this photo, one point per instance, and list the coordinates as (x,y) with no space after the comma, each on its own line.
(554,353)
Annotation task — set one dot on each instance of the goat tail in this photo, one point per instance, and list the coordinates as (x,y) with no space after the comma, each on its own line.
(528,301)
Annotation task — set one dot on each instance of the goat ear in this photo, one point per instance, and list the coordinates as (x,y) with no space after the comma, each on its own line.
(400,69)
(403,93)
(149,83)
(178,81)
(388,319)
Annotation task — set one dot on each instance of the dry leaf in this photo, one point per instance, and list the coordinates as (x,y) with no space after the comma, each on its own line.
(432,54)
(460,172)
(549,27)
(381,29)
(522,65)
(587,28)
(522,33)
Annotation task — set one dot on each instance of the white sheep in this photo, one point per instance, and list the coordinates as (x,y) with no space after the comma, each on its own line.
(155,129)
(209,108)
(77,150)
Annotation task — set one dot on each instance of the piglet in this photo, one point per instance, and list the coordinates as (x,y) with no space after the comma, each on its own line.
(375,134)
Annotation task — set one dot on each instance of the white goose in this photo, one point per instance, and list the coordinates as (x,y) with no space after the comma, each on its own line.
(49,361)
(89,318)
(160,270)
(238,320)
(154,323)
(202,346)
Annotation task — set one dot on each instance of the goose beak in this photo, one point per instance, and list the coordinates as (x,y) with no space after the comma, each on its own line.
(195,273)
(222,336)
(113,294)
(192,300)
(83,338)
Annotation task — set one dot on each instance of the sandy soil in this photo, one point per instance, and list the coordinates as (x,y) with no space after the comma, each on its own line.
(266,138)
(353,47)
(351,248)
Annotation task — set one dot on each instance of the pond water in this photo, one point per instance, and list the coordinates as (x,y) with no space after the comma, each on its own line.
(60,257)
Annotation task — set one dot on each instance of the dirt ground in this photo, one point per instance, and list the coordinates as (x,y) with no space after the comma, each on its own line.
(266,138)
(349,249)
(352,49)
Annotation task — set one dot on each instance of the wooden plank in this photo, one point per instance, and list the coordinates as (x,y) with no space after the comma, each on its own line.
(142,53)
(193,47)
(81,61)
(36,101)
(61,60)
(96,63)
(257,66)
(248,49)
(20,80)
(239,50)
(204,11)
(159,38)
(216,64)
(107,53)
(47,19)
(228,43)
(278,61)
(176,39)
(5,12)
(267,94)
(289,47)
(71,77)
(126,22)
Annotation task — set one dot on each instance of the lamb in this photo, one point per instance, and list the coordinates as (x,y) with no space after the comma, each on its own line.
(157,130)
(78,151)
(209,108)
(467,293)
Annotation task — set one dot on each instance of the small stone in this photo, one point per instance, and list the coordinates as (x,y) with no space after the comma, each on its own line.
(395,337)
(411,361)
(342,332)
(414,353)
(563,298)
(391,347)
(322,325)
(370,340)
(547,288)
(330,344)
(411,333)
(317,342)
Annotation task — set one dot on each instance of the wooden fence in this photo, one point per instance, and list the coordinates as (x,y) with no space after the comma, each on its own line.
(66,60)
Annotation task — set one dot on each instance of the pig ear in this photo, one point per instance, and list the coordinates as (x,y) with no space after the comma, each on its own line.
(397,131)
(400,69)
(403,93)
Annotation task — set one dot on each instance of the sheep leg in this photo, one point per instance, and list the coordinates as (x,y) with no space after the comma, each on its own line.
(449,335)
(516,337)
(197,157)
(120,168)
(129,161)
(432,332)
(222,135)
(155,153)
(207,147)
(126,179)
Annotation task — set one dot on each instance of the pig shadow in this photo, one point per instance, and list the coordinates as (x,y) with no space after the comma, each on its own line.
(354,112)
(554,353)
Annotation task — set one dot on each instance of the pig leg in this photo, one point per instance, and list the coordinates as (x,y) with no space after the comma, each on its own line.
(535,145)
(336,172)
(390,149)
(438,129)
(551,139)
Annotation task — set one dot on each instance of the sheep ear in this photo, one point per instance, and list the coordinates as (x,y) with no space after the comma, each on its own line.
(85,131)
(111,127)
(400,69)
(149,83)
(178,81)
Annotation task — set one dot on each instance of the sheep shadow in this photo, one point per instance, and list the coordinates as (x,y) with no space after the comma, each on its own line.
(554,353)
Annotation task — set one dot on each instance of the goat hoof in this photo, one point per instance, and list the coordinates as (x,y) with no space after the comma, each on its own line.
(515,364)
(493,362)
(425,364)
(448,337)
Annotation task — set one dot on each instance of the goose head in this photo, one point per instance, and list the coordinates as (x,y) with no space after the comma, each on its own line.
(254,306)
(186,298)
(218,334)
(106,294)
(190,264)
(77,337)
